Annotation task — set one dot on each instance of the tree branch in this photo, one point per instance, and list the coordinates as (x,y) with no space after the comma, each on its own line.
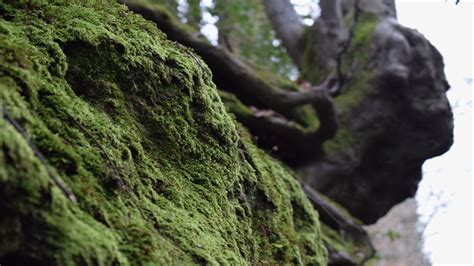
(287,25)
(330,33)
(345,46)
(286,138)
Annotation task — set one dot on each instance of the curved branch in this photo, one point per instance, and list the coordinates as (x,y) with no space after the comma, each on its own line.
(229,70)
(287,25)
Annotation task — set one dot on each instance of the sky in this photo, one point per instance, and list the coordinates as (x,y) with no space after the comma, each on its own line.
(445,192)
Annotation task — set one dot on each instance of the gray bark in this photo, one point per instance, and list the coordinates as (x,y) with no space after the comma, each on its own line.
(287,25)
(228,70)
(389,126)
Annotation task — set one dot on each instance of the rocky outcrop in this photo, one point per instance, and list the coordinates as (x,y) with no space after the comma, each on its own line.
(117,150)
(393,115)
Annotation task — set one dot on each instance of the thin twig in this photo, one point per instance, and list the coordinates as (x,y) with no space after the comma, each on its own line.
(38,154)
(116,174)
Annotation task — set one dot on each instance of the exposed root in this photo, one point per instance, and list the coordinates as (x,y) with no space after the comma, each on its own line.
(67,192)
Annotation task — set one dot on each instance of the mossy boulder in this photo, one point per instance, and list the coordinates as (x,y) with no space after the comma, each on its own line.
(132,125)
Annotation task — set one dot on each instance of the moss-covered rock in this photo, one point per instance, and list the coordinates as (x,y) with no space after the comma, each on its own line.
(132,124)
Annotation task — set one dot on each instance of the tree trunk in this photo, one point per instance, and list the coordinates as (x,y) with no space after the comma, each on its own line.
(379,116)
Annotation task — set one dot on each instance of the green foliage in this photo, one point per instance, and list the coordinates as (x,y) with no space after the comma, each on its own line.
(245,29)
(70,70)
(190,13)
(171,5)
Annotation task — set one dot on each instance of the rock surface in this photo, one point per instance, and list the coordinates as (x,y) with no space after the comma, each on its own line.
(117,150)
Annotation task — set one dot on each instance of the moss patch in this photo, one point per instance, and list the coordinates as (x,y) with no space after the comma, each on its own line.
(359,53)
(99,91)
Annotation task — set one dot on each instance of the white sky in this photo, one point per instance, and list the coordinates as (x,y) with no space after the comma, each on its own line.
(448,237)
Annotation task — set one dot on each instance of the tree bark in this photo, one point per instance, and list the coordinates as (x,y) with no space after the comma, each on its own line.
(288,27)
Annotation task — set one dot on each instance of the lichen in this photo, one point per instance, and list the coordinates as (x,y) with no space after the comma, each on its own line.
(99,90)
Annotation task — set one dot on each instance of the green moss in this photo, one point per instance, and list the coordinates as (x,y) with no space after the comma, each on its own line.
(340,242)
(356,90)
(362,38)
(234,105)
(361,54)
(270,77)
(343,139)
(89,81)
(343,211)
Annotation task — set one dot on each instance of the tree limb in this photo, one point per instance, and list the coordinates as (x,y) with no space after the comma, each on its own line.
(331,12)
(330,33)
(337,221)
(287,25)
